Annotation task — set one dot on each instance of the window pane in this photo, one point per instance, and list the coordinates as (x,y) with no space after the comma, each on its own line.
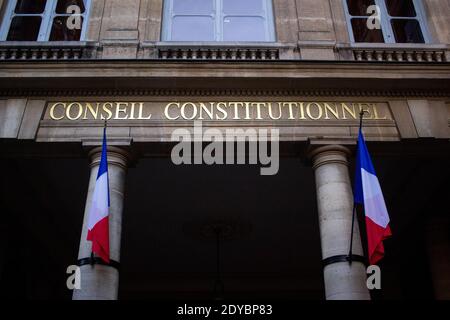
(193,29)
(30,6)
(244,29)
(24,29)
(401,8)
(245,7)
(407,31)
(61,32)
(189,7)
(359,7)
(61,7)
(364,34)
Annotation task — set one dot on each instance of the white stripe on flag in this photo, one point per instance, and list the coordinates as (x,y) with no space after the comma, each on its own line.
(374,205)
(99,206)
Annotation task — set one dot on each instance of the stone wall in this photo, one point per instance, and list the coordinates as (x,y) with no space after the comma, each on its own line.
(311,29)
(402,119)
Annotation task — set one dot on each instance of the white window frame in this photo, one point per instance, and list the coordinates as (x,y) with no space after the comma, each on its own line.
(218,16)
(386,27)
(47,19)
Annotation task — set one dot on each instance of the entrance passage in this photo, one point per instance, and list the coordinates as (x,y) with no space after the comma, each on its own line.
(269,246)
(269,243)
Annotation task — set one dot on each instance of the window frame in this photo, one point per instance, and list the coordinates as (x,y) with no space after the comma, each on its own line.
(218,16)
(385,21)
(48,15)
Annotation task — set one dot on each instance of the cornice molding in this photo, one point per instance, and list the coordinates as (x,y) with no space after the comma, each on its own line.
(5,93)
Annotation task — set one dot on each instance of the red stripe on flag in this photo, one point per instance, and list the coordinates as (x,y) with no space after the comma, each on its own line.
(99,235)
(375,236)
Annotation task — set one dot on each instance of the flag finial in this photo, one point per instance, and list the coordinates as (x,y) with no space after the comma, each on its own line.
(361,117)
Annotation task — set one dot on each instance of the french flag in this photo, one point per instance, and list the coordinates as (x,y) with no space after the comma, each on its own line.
(368,193)
(98,224)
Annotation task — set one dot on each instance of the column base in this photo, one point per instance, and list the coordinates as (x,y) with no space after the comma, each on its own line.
(98,282)
(345,281)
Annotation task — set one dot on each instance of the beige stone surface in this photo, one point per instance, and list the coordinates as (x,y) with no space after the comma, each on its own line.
(305,30)
(345,282)
(286,21)
(304,20)
(430,118)
(95,20)
(120,20)
(339,21)
(98,282)
(317,53)
(438,16)
(377,133)
(11,114)
(322,26)
(159,128)
(31,119)
(311,71)
(120,49)
(403,119)
(314,19)
(101,282)
(297,22)
(335,208)
(80,133)
(150,20)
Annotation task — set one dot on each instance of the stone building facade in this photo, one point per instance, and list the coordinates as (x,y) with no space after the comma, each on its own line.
(131,65)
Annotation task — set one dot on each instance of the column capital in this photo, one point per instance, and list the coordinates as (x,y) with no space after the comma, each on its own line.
(329,154)
(116,156)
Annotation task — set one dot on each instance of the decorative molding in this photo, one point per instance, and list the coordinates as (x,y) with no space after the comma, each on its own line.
(329,154)
(404,53)
(218,51)
(48,50)
(219,54)
(116,156)
(47,123)
(399,55)
(416,53)
(221,93)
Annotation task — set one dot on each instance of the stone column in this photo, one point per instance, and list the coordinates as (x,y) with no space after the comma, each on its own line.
(101,282)
(343,281)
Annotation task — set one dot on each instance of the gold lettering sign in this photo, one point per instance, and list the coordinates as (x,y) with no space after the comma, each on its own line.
(216,111)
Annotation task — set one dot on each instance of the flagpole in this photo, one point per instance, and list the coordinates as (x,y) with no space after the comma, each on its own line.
(350,252)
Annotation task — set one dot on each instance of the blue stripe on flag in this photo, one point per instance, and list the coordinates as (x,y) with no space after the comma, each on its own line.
(364,157)
(103,168)
(104,160)
(363,161)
